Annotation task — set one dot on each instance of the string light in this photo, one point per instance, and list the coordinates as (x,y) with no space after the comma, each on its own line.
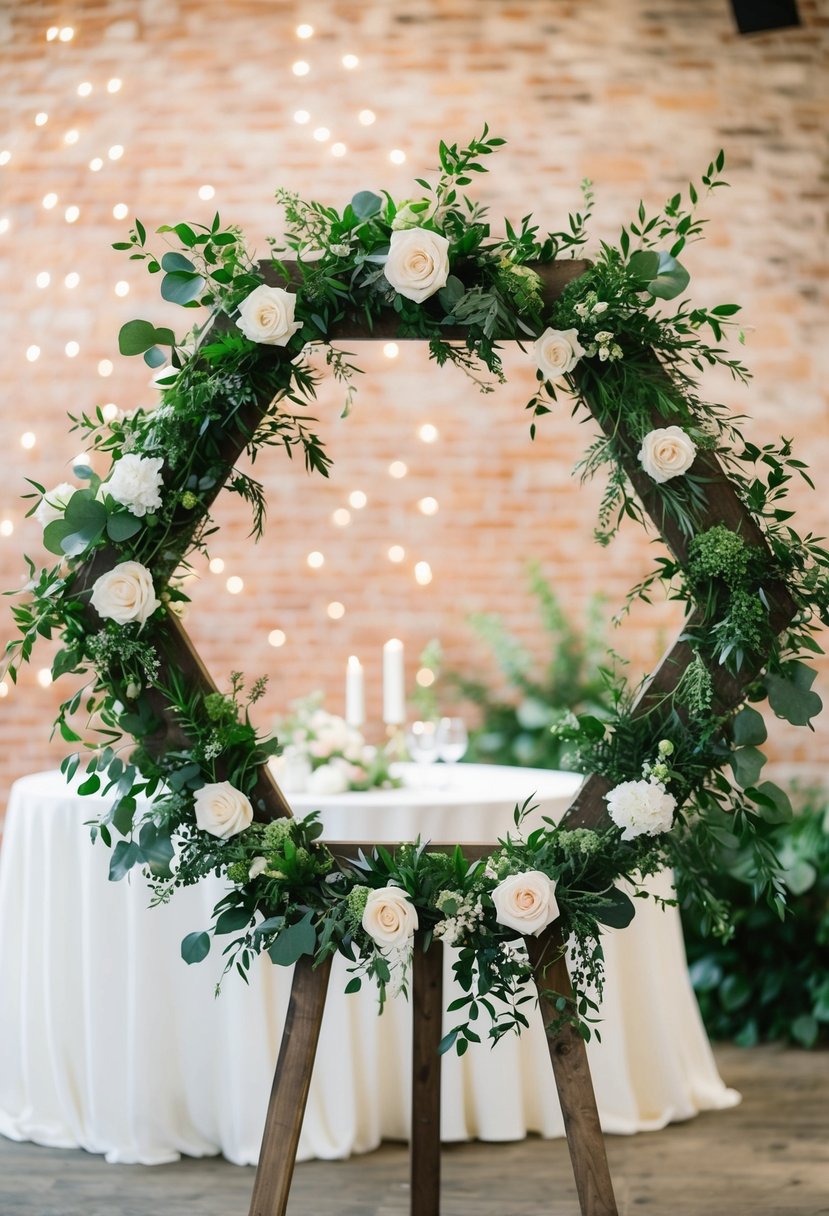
(206,193)
(235,584)
(336,610)
(122,288)
(300,68)
(116,152)
(43,279)
(32,353)
(105,367)
(391,350)
(357,500)
(338,149)
(341,517)
(366,117)
(71,214)
(5,224)
(305,31)
(71,137)
(52,33)
(66,34)
(96,164)
(114,85)
(276,638)
(398,469)
(41,119)
(423,573)
(50,200)
(315,559)
(428,433)
(28,439)
(72,279)
(301,117)
(216,565)
(396,554)
(84,89)
(350,62)
(5,156)
(110,411)
(321,134)
(397,156)
(44,677)
(4,688)
(425,677)
(71,350)
(120,211)
(428,506)
(6,527)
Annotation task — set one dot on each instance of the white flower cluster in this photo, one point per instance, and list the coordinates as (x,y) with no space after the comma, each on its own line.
(322,754)
(468,915)
(641,808)
(135,483)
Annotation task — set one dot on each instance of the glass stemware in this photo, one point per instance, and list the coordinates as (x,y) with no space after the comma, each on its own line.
(421,740)
(452,740)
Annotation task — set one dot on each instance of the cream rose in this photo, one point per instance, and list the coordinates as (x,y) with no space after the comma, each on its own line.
(418,263)
(641,807)
(222,810)
(125,593)
(267,316)
(53,503)
(667,452)
(389,917)
(526,902)
(557,352)
(135,482)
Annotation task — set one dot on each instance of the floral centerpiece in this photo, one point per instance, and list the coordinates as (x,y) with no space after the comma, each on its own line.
(322,754)
(677,763)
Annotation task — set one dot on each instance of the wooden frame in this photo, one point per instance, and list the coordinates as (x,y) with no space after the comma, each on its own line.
(567,1048)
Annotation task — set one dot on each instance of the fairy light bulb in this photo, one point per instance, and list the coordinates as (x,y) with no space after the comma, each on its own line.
(338,149)
(396,554)
(322,134)
(391,350)
(84,88)
(71,214)
(96,164)
(350,62)
(315,559)
(235,585)
(6,527)
(43,279)
(71,350)
(336,610)
(428,506)
(66,34)
(397,156)
(41,119)
(114,85)
(301,117)
(206,193)
(4,689)
(120,211)
(216,565)
(72,279)
(110,411)
(428,433)
(28,440)
(122,288)
(116,152)
(105,367)
(71,136)
(300,68)
(32,353)
(52,33)
(305,31)
(276,638)
(50,200)
(341,517)
(398,469)
(425,677)
(5,224)
(357,500)
(44,677)
(423,573)
(366,117)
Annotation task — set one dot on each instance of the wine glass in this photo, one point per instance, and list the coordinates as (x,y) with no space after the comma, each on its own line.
(421,741)
(452,740)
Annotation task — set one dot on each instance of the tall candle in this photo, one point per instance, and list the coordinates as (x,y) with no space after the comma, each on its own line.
(354,699)
(394,697)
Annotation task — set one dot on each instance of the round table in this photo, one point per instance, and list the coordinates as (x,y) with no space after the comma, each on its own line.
(108,1041)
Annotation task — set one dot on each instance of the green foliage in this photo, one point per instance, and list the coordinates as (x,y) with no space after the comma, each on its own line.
(517,729)
(770,979)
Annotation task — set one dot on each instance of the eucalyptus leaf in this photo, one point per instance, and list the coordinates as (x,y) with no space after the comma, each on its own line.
(772,803)
(125,855)
(154,357)
(749,728)
(747,764)
(177,261)
(179,287)
(122,526)
(790,695)
(671,279)
(366,204)
(195,947)
(293,942)
(616,909)
(135,337)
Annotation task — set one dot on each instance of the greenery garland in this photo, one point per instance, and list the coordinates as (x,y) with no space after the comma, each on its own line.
(684,776)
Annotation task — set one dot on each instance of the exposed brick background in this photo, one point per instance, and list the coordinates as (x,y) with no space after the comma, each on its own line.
(637,96)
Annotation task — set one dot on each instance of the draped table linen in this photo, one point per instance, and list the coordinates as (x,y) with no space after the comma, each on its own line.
(109,1042)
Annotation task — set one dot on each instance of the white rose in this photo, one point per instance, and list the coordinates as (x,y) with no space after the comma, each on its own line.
(53,503)
(389,917)
(557,352)
(641,807)
(125,593)
(418,263)
(258,866)
(267,316)
(135,482)
(526,902)
(222,810)
(328,779)
(667,452)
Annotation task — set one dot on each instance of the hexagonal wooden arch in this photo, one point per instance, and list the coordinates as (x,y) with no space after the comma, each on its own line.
(567,1049)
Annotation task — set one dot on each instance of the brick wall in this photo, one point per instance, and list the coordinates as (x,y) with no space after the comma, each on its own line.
(635,96)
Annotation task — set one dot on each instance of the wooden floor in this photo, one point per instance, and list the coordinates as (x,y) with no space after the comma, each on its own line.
(767,1157)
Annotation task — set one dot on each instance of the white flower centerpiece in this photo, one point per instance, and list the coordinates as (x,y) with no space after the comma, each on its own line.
(321,754)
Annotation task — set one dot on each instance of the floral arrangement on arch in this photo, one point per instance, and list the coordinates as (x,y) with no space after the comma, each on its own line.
(683,777)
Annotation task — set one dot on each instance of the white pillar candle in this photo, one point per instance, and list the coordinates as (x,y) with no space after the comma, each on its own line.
(354,698)
(394,698)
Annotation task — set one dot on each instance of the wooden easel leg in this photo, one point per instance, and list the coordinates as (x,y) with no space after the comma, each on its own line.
(289,1093)
(573,1082)
(427,1012)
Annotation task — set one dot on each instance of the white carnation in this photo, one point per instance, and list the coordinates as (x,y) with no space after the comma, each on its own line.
(641,807)
(53,503)
(135,482)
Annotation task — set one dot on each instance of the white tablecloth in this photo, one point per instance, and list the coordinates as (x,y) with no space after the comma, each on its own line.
(110,1042)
